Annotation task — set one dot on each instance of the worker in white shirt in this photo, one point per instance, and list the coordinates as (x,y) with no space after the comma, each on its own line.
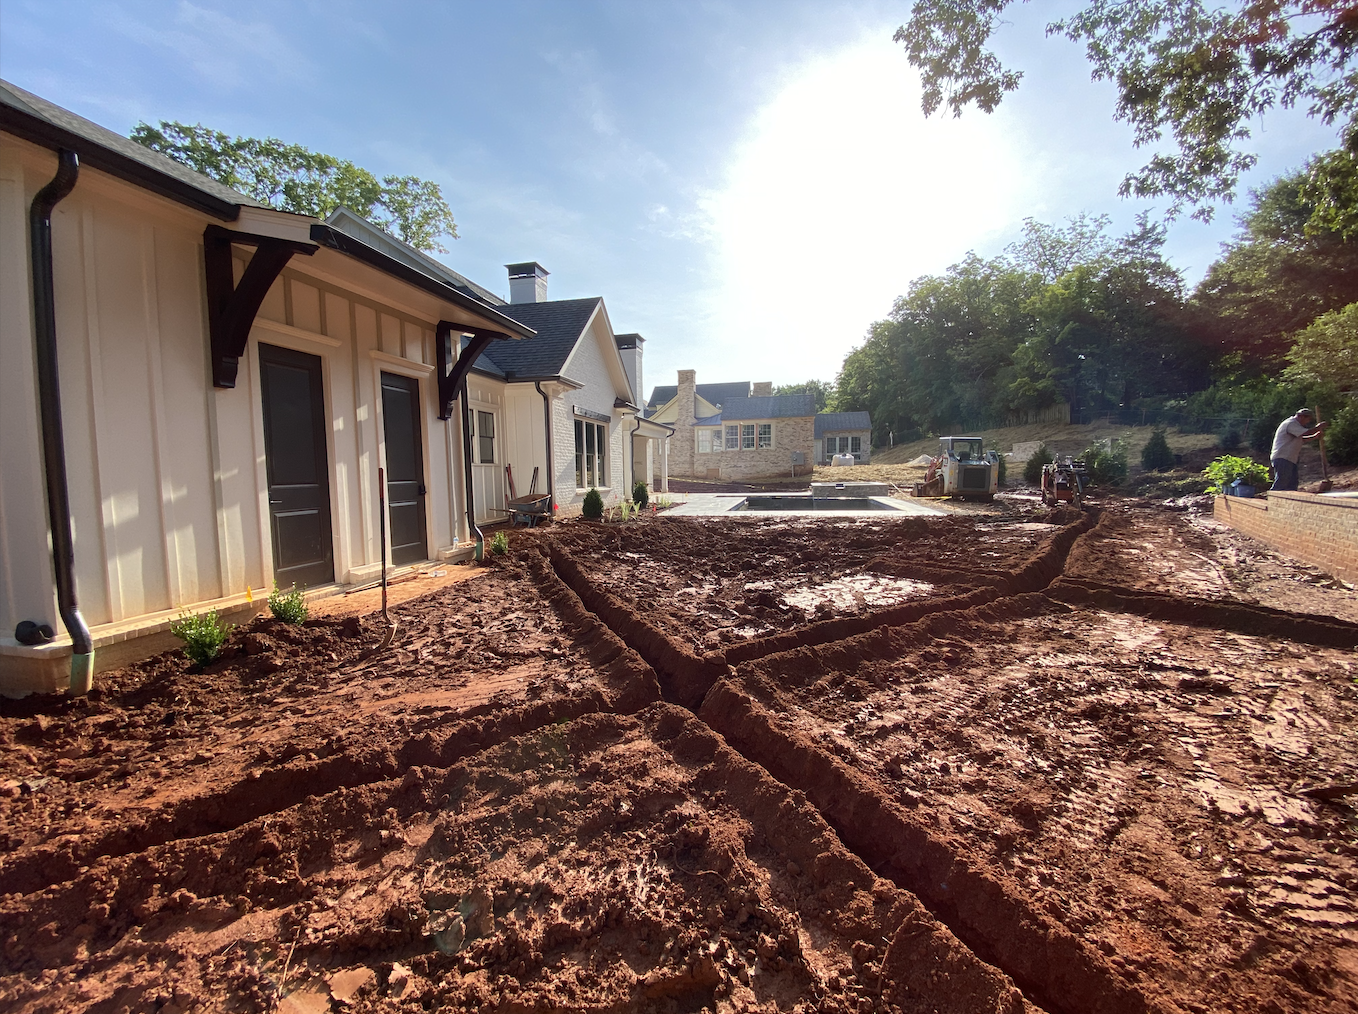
(1287,444)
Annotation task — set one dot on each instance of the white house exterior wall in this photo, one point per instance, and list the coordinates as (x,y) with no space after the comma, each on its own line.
(166,473)
(587,365)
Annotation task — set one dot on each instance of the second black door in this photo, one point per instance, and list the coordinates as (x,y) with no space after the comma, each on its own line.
(297,466)
(405,468)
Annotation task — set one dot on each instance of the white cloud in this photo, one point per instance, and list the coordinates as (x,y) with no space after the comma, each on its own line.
(841,193)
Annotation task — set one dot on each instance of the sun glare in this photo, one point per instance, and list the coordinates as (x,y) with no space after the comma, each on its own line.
(841,193)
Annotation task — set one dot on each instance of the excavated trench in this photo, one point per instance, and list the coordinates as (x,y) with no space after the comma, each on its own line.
(1056,970)
(831,886)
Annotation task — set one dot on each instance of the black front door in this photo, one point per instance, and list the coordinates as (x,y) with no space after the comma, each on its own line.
(405,468)
(298,471)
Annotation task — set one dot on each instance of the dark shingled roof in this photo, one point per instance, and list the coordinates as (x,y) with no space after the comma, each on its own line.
(716,394)
(833,422)
(42,122)
(781,406)
(558,323)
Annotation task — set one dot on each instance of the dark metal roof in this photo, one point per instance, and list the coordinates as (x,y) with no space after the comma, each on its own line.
(628,341)
(781,406)
(715,394)
(833,422)
(559,323)
(359,227)
(378,251)
(35,119)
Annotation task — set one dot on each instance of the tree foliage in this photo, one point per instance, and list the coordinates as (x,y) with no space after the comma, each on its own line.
(1280,273)
(1067,314)
(1199,74)
(1326,351)
(291,177)
(820,390)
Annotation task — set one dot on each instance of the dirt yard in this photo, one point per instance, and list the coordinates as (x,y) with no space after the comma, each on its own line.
(1006,760)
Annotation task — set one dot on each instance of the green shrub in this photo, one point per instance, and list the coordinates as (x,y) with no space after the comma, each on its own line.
(641,496)
(499,545)
(593,507)
(1341,436)
(1229,467)
(203,635)
(1106,462)
(290,607)
(1032,468)
(1156,455)
(1228,439)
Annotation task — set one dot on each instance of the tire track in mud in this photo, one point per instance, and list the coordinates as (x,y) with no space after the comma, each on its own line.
(1054,968)
(629,685)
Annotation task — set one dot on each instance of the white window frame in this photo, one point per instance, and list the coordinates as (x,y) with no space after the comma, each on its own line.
(763,435)
(747,436)
(705,441)
(733,438)
(591,465)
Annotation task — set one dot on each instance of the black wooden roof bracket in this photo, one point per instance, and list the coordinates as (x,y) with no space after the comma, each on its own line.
(452,370)
(231,307)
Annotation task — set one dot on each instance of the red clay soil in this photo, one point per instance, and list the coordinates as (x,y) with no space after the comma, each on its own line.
(1057,780)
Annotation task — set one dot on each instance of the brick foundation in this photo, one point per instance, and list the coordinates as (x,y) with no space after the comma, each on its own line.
(1322,530)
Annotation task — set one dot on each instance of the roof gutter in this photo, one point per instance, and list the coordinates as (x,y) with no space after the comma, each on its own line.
(49,409)
(334,239)
(95,156)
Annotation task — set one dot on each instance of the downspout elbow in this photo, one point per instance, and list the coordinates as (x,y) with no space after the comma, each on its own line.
(49,407)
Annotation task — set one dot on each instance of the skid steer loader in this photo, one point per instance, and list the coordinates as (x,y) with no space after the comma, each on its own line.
(961,469)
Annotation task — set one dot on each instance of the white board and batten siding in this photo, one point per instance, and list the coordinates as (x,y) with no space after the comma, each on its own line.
(594,364)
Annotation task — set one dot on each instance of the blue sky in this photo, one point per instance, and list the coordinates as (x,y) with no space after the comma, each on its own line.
(748,184)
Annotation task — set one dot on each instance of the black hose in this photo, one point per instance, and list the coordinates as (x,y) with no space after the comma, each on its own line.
(49,397)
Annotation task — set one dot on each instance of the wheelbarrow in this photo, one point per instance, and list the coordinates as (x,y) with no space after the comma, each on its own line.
(529,510)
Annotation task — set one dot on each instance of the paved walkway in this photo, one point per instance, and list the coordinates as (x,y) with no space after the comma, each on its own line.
(706,505)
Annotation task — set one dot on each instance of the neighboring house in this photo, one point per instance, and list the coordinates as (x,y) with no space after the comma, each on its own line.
(844,433)
(231,379)
(750,434)
(582,377)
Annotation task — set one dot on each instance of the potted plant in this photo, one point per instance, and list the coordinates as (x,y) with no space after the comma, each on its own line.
(1232,475)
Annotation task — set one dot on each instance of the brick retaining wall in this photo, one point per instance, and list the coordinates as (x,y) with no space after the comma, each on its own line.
(1322,530)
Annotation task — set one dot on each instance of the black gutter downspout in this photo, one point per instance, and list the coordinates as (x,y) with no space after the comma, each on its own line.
(49,407)
(472,530)
(633,451)
(551,461)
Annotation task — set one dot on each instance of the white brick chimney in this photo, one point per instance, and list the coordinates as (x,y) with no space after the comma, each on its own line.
(629,348)
(527,282)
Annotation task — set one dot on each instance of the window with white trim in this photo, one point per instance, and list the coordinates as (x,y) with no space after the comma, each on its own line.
(591,443)
(485,437)
(733,438)
(856,446)
(747,437)
(766,434)
(705,441)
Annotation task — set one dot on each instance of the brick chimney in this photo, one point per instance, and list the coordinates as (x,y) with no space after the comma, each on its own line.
(688,383)
(629,348)
(527,282)
(762,389)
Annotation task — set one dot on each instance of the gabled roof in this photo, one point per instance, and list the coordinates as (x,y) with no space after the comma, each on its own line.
(717,394)
(559,323)
(833,422)
(35,119)
(780,406)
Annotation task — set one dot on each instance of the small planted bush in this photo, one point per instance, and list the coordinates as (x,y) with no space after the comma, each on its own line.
(593,507)
(1229,467)
(641,496)
(203,635)
(1106,462)
(499,545)
(1156,455)
(289,606)
(1032,468)
(1341,439)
